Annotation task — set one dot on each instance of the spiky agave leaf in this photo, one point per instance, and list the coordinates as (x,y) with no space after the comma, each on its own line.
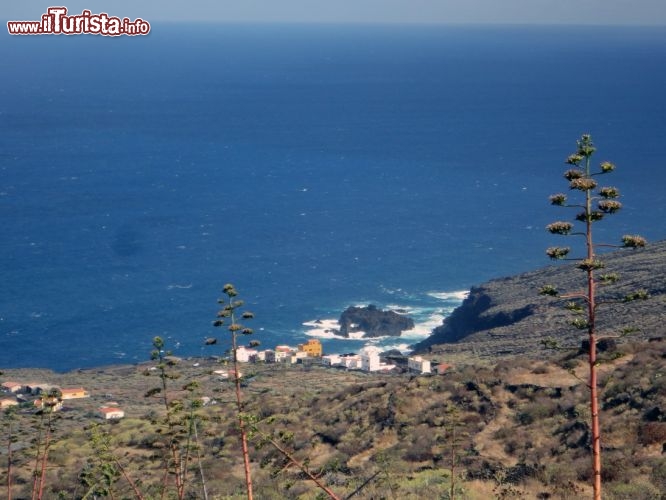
(573,174)
(560,227)
(548,290)
(606,167)
(641,294)
(558,199)
(585,146)
(583,184)
(574,159)
(574,307)
(609,192)
(609,278)
(633,241)
(556,253)
(609,206)
(580,323)
(591,265)
(593,216)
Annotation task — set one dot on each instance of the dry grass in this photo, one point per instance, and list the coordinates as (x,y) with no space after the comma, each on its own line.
(395,429)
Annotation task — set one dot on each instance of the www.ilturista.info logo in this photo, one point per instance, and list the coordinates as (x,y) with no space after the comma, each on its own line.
(57,22)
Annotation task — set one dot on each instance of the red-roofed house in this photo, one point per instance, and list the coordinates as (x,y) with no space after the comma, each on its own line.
(111,413)
(441,368)
(12,386)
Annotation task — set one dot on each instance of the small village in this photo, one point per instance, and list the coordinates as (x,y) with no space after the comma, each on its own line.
(36,396)
(368,359)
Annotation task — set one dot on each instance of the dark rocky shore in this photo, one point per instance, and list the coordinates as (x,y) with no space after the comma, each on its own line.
(507,316)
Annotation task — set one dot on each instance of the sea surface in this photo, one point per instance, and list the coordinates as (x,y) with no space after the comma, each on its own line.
(315,167)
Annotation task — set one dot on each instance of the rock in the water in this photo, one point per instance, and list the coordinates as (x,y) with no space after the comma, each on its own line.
(373,322)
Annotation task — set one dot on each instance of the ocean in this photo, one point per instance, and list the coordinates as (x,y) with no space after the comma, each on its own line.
(313,166)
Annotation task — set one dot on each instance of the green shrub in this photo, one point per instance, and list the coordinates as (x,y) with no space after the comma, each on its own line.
(658,475)
(617,467)
(635,490)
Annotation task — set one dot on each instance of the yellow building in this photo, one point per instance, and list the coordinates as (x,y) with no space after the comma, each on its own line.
(312,347)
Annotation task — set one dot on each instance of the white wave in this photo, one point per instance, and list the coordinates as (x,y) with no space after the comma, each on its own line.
(404,310)
(458,295)
(326,328)
(424,328)
(322,323)
(184,287)
(322,328)
(403,348)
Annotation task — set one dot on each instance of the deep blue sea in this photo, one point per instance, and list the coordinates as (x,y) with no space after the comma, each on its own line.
(315,167)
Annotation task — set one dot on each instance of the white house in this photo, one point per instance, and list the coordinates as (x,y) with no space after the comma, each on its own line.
(282,352)
(418,364)
(294,357)
(370,359)
(331,359)
(243,354)
(352,362)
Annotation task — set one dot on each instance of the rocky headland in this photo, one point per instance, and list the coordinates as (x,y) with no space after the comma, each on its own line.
(507,316)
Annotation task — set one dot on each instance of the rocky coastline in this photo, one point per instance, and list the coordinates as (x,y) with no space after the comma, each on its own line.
(507,316)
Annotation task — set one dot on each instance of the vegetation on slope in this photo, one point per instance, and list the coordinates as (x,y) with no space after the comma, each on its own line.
(514,428)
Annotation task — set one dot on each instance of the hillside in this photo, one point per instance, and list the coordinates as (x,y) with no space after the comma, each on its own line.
(507,316)
(509,419)
(514,429)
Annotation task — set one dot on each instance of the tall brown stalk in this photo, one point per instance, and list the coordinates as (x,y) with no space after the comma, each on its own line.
(582,179)
(230,305)
(50,403)
(176,463)
(45,456)
(9,416)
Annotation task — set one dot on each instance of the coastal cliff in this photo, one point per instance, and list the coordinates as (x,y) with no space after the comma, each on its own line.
(507,316)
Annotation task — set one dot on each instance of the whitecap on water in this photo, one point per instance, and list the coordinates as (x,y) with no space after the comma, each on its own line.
(423,329)
(403,348)
(457,295)
(322,328)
